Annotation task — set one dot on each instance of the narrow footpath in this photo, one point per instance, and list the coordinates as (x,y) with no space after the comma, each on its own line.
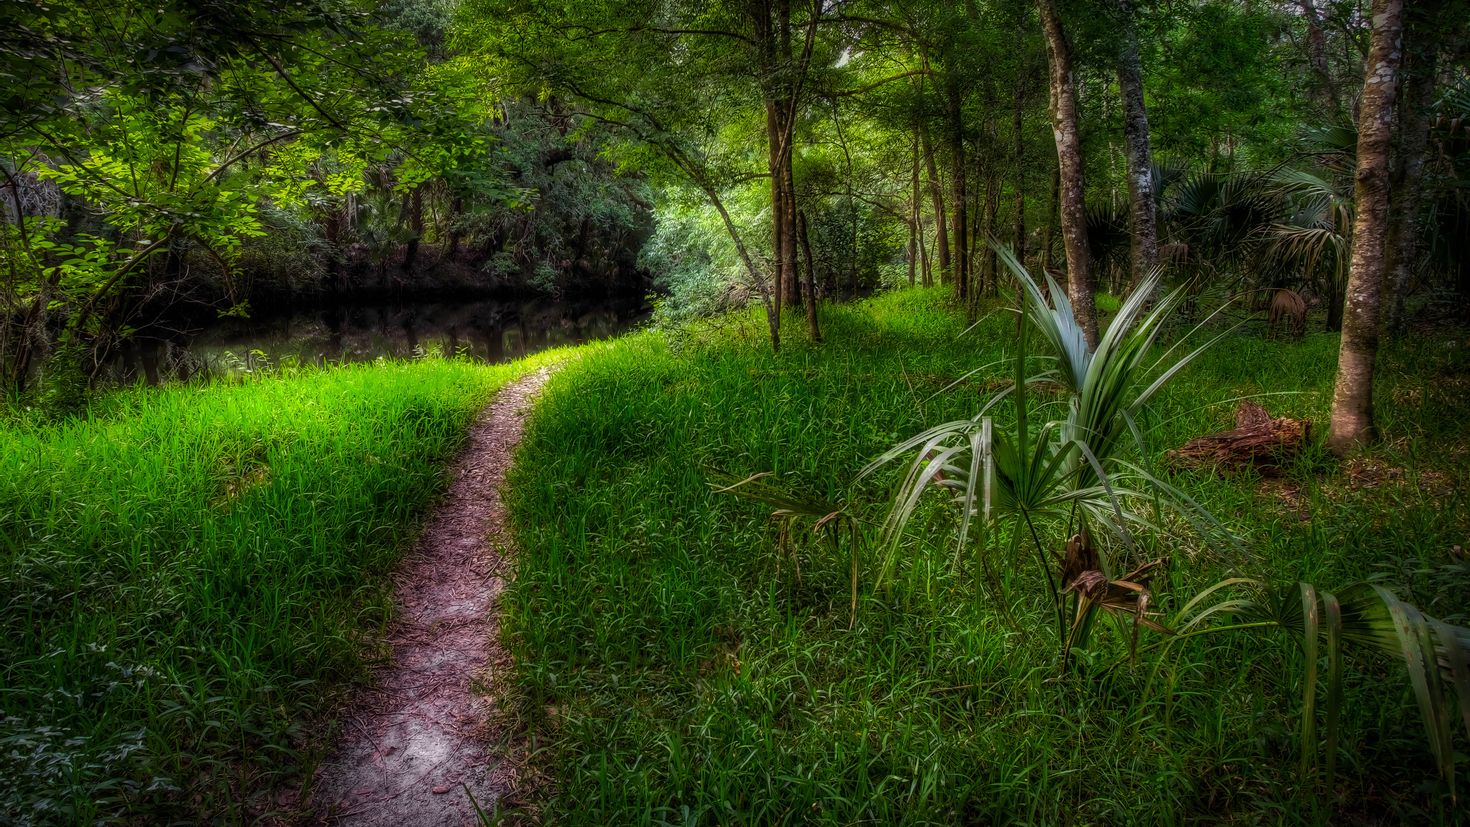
(419,743)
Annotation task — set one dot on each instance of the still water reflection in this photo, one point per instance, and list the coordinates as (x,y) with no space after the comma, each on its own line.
(489,331)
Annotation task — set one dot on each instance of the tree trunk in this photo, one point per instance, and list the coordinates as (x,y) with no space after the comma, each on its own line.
(1405,233)
(924,267)
(936,194)
(988,260)
(778,202)
(1053,208)
(959,228)
(1018,235)
(809,284)
(914,213)
(788,236)
(1144,241)
(1073,190)
(1324,91)
(1352,397)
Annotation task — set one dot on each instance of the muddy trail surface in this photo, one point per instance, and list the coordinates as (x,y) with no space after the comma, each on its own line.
(419,747)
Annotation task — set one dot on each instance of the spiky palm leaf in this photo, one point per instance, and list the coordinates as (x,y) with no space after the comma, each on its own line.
(1435,654)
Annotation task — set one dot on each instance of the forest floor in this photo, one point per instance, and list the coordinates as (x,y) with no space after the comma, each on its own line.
(418,746)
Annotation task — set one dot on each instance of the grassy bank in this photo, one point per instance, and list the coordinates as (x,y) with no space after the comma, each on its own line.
(680,667)
(188,576)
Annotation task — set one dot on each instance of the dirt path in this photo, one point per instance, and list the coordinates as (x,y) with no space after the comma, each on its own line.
(421,736)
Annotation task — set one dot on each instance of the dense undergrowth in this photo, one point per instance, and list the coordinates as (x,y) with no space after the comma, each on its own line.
(681,666)
(189,576)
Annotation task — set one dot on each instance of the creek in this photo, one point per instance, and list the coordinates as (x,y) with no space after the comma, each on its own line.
(486,330)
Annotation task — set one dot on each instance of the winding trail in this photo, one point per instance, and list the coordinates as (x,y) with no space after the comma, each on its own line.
(422,734)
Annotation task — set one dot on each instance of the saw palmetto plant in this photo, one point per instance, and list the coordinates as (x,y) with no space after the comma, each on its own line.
(1038,479)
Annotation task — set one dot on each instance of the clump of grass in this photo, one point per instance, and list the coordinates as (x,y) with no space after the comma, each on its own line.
(678,669)
(189,575)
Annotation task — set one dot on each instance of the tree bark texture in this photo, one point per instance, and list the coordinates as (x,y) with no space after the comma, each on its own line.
(936,194)
(1324,91)
(1072,190)
(1144,240)
(1352,396)
(1420,65)
(809,284)
(1018,158)
(914,210)
(959,227)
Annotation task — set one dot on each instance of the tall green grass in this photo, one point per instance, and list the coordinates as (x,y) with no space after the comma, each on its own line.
(679,666)
(189,576)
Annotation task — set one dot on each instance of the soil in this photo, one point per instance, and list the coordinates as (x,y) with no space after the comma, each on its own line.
(420,746)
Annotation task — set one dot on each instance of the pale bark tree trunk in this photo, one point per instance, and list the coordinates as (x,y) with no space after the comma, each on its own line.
(1144,241)
(1352,397)
(936,193)
(1073,190)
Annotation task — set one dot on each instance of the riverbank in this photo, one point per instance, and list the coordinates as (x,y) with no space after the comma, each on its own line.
(681,664)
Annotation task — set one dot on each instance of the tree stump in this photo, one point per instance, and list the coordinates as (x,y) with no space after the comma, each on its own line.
(1258,441)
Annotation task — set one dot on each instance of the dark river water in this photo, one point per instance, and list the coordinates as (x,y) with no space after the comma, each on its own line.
(484,330)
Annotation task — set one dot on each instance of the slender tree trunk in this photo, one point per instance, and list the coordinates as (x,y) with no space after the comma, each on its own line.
(936,194)
(1405,234)
(959,227)
(1053,209)
(1073,189)
(914,213)
(1352,397)
(924,265)
(1018,158)
(1324,91)
(778,202)
(987,229)
(1144,241)
(788,249)
(809,284)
